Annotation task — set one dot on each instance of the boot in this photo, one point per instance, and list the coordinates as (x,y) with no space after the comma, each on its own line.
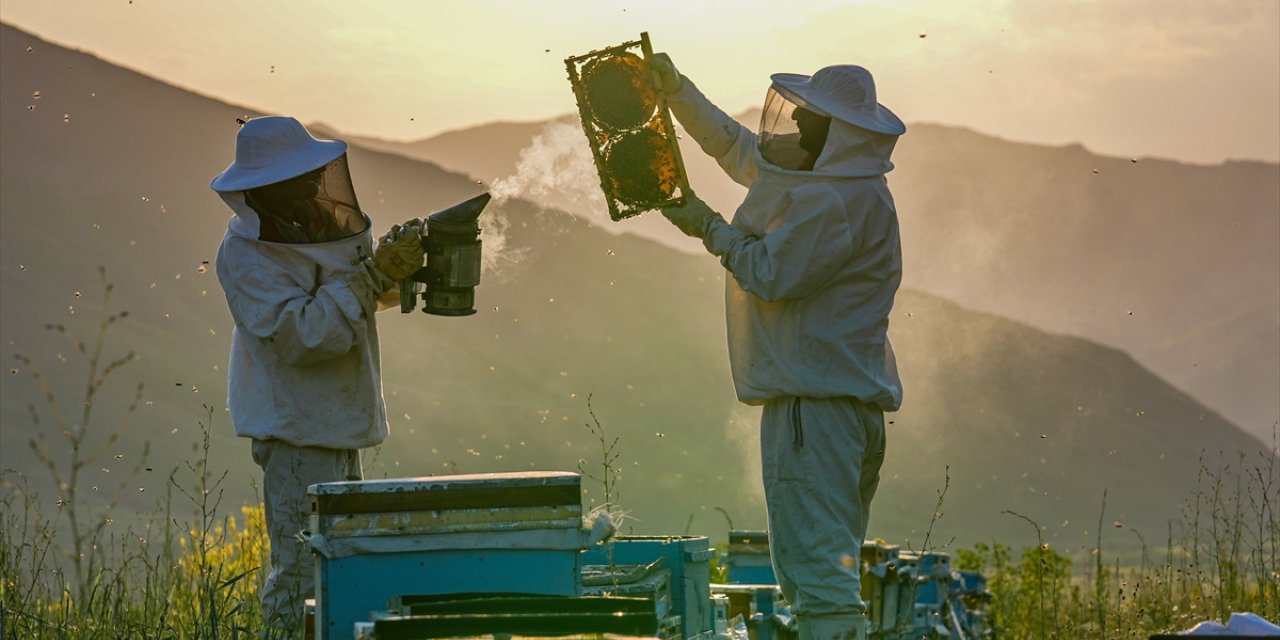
(843,626)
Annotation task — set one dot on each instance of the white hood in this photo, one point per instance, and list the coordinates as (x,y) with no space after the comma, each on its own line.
(851,152)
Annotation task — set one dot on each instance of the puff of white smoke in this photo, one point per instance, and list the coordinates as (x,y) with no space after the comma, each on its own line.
(497,258)
(556,171)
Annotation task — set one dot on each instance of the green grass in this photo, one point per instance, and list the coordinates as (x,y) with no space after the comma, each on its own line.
(201,579)
(1221,557)
(66,574)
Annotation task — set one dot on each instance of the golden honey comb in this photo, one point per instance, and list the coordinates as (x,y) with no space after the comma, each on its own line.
(620,91)
(641,167)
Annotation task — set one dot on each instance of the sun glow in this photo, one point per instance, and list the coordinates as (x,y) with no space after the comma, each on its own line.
(1110,75)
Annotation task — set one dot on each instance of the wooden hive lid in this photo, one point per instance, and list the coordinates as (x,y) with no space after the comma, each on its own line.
(466,491)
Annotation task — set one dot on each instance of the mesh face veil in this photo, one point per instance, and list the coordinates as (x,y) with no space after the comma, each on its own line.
(791,136)
(317,206)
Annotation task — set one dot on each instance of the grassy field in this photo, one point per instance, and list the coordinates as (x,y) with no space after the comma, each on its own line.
(195,567)
(200,579)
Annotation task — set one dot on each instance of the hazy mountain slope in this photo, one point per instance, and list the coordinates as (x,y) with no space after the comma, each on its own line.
(575,313)
(1135,253)
(104,167)
(486,152)
(1084,412)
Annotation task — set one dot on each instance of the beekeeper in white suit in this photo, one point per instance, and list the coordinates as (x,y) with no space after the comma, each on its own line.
(815,257)
(302,280)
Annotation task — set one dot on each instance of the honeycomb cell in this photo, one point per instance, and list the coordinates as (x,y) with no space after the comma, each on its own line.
(641,167)
(619,91)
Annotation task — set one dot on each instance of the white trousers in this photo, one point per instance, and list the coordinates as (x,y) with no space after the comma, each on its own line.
(821,459)
(287,472)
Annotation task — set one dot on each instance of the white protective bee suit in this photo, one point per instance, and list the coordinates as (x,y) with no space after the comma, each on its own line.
(815,260)
(304,380)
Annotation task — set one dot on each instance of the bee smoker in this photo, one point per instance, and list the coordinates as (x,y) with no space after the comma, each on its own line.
(451,242)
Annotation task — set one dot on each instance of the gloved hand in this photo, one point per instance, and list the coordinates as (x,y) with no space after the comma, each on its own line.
(665,72)
(397,230)
(693,217)
(399,252)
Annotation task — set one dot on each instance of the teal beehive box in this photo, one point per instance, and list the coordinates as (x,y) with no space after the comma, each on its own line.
(689,560)
(748,560)
(376,540)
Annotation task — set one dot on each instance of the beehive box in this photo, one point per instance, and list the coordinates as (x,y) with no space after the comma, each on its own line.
(485,615)
(747,560)
(482,533)
(888,588)
(687,557)
(759,606)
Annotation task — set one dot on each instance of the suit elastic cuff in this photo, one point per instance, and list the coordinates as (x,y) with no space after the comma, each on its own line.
(718,236)
(367,283)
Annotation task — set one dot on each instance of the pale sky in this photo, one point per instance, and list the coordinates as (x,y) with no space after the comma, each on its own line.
(1193,80)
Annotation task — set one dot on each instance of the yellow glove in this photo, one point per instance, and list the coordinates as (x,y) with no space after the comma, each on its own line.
(665,72)
(399,252)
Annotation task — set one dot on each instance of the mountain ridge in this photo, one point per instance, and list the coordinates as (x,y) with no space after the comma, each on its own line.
(576,315)
(1172,247)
